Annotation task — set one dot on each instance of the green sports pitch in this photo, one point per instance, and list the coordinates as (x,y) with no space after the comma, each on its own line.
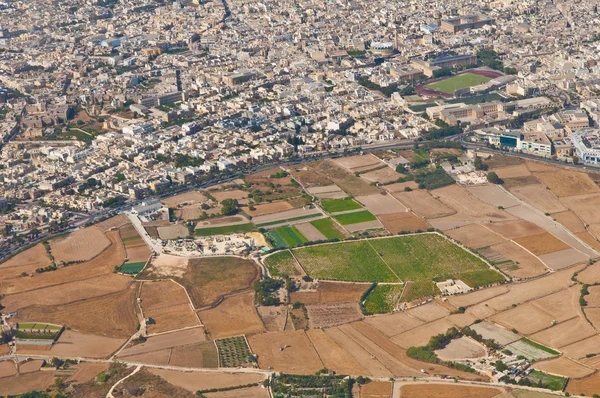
(450,85)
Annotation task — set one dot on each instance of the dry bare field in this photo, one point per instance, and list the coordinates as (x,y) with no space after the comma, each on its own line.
(580,349)
(21,384)
(462,348)
(74,344)
(562,305)
(171,318)
(7,368)
(194,381)
(175,231)
(331,292)
(161,294)
(26,261)
(423,204)
(332,314)
(229,194)
(333,356)
(492,331)
(187,198)
(401,186)
(381,204)
(355,186)
(468,207)
(593,299)
(446,391)
(299,356)
(393,324)
(112,315)
(420,335)
(513,171)
(539,197)
(475,236)
(593,315)
(249,392)
(135,247)
(268,208)
(376,389)
(113,222)
(586,386)
(585,206)
(273,317)
(590,274)
(165,341)
(565,333)
(566,182)
(383,176)
(234,316)
(428,312)
(81,245)
(564,366)
(515,229)
(589,239)
(103,264)
(358,162)
(197,355)
(86,371)
(570,221)
(406,221)
(525,318)
(541,244)
(564,258)
(493,195)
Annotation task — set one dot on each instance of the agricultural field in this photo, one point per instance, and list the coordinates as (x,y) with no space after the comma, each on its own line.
(446,390)
(81,245)
(234,352)
(27,261)
(403,222)
(418,290)
(132,268)
(232,317)
(194,381)
(355,218)
(135,247)
(332,314)
(339,205)
(383,299)
(328,228)
(225,230)
(330,292)
(281,263)
(465,80)
(287,237)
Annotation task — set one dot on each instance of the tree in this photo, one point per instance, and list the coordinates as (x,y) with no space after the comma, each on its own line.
(6,337)
(230,207)
(493,178)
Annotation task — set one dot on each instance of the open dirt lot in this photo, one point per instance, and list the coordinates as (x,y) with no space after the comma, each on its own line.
(307,176)
(332,314)
(299,356)
(165,265)
(446,390)
(468,207)
(113,315)
(75,344)
(81,245)
(381,204)
(541,244)
(26,261)
(587,386)
(565,333)
(393,324)
(539,197)
(423,204)
(165,341)
(406,221)
(102,264)
(475,236)
(333,356)
(234,316)
(493,195)
(331,292)
(513,171)
(21,384)
(171,318)
(563,366)
(194,381)
(585,206)
(358,162)
(462,349)
(567,183)
(268,208)
(229,194)
(383,176)
(187,198)
(515,229)
(570,220)
(68,292)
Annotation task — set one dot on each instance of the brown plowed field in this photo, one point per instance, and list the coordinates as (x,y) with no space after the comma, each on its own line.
(446,391)
(165,341)
(199,355)
(543,243)
(420,335)
(37,381)
(589,239)
(103,264)
(570,221)
(423,204)
(194,381)
(171,318)
(379,204)
(586,207)
(562,305)
(468,207)
(565,333)
(590,275)
(563,366)
(298,357)
(428,312)
(593,314)
(113,315)
(583,348)
(234,316)
(26,261)
(393,324)
(332,314)
(593,299)
(513,171)
(75,344)
(268,208)
(475,236)
(587,386)
(403,222)
(376,389)
(162,294)
(81,245)
(86,371)
(331,292)
(333,356)
(525,318)
(539,197)
(567,183)
(515,229)
(67,293)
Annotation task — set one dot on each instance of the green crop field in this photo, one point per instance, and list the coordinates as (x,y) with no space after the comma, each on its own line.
(383,299)
(287,237)
(540,346)
(450,85)
(551,382)
(355,218)
(281,263)
(418,290)
(25,325)
(338,205)
(288,220)
(228,229)
(327,227)
(423,257)
(477,279)
(132,268)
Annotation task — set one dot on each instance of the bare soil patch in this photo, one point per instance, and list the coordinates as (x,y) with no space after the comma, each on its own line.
(492,331)
(307,176)
(27,261)
(525,318)
(333,356)
(112,315)
(541,244)
(332,314)
(161,294)
(513,171)
(175,231)
(187,198)
(468,207)
(420,335)
(37,381)
(500,161)
(381,203)
(515,229)
(493,195)
(475,236)
(510,183)
(476,297)
(198,355)
(463,348)
(401,186)
(345,180)
(268,208)
(7,368)
(570,221)
(446,391)
(86,371)
(229,194)
(428,312)
(165,265)
(567,183)
(564,258)
(81,245)
(194,381)
(564,366)
(233,317)
(171,318)
(113,222)
(585,206)
(331,292)
(310,232)
(376,389)
(565,333)
(582,348)
(75,344)
(586,386)
(327,192)
(358,162)
(589,239)
(406,221)
(590,275)
(423,204)
(562,305)
(286,215)
(393,324)
(299,356)
(539,197)
(135,247)
(593,315)
(165,341)
(249,392)
(593,299)
(273,317)
(383,176)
